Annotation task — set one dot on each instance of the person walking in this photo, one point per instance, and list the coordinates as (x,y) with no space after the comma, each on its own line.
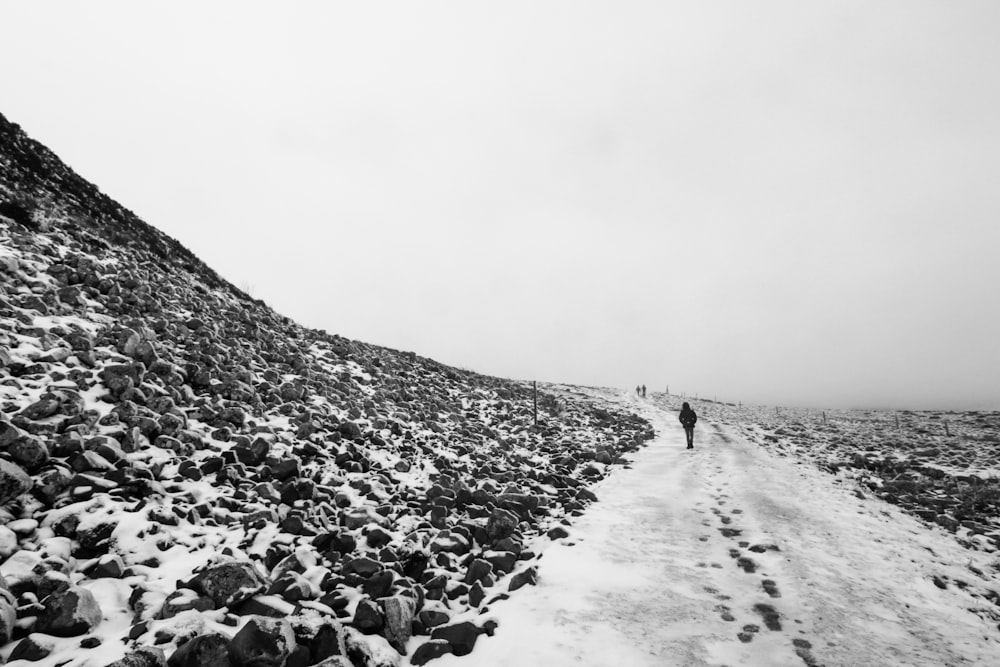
(644,391)
(688,419)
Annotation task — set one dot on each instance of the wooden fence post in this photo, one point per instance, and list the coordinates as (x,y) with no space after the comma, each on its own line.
(534,400)
(946,430)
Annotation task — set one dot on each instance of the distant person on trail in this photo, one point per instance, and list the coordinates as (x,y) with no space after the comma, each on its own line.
(688,419)
(638,391)
(644,391)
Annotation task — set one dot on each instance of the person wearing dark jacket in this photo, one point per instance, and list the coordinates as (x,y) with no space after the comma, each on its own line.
(688,419)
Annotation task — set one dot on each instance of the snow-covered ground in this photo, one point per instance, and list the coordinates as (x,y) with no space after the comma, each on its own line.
(729,555)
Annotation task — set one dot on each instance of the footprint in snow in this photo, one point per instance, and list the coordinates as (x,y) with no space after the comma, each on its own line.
(725,612)
(748,632)
(731,532)
(771,588)
(772,619)
(803,649)
(746,564)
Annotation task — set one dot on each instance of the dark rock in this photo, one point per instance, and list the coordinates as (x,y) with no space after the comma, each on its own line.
(368,617)
(478,570)
(460,636)
(211,650)
(432,618)
(502,561)
(9,434)
(29,452)
(399,612)
(327,642)
(143,656)
(32,648)
(14,482)
(476,594)
(335,661)
(524,578)
(69,613)
(41,409)
(501,524)
(378,585)
(8,616)
(119,378)
(364,567)
(228,584)
(262,642)
(430,650)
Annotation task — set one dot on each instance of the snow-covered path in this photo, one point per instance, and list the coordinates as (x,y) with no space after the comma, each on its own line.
(729,555)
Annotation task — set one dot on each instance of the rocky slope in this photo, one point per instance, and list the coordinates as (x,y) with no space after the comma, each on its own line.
(189,478)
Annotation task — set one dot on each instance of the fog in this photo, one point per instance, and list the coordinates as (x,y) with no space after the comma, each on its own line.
(772,202)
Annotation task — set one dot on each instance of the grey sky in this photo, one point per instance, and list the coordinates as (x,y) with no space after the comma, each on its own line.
(774,202)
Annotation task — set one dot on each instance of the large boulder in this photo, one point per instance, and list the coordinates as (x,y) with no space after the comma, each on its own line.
(143,656)
(14,482)
(228,584)
(399,612)
(502,523)
(69,613)
(8,616)
(460,636)
(208,650)
(262,642)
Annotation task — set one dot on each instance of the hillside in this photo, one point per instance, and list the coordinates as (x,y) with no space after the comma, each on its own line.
(189,478)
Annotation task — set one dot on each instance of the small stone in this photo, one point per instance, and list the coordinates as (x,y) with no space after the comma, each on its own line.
(524,578)
(430,650)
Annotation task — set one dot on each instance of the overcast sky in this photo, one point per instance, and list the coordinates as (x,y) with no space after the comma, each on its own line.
(791,203)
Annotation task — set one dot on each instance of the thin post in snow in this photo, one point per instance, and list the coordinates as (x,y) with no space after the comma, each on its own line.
(897,421)
(946,430)
(534,401)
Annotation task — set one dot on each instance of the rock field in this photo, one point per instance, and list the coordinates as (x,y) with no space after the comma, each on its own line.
(189,478)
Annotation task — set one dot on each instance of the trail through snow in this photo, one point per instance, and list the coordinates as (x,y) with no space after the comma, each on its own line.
(730,555)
